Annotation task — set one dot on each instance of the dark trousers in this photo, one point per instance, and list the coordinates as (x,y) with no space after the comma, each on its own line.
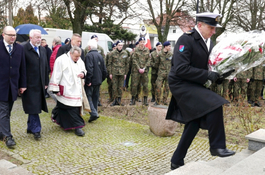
(92,93)
(34,124)
(215,126)
(5,112)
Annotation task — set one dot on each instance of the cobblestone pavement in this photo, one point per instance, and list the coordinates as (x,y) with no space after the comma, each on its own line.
(110,146)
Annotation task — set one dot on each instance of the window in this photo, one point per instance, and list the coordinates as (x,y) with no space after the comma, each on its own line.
(110,46)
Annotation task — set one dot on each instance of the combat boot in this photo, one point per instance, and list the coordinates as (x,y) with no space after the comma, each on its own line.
(157,102)
(145,101)
(115,102)
(153,98)
(133,101)
(119,102)
(137,99)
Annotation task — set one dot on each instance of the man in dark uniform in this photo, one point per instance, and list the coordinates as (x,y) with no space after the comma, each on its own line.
(192,103)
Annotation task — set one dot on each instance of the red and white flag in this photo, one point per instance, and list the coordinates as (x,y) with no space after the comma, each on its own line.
(147,41)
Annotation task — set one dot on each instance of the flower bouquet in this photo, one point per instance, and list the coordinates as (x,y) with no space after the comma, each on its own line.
(236,53)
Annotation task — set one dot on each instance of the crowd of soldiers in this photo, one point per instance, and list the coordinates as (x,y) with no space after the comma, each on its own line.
(122,63)
(246,88)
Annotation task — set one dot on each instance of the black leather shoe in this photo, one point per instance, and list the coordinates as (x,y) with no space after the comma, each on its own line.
(99,104)
(9,141)
(36,135)
(29,132)
(93,118)
(174,166)
(79,132)
(221,152)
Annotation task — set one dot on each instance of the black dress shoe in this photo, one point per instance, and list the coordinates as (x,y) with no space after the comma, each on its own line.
(9,141)
(99,104)
(174,166)
(93,118)
(79,132)
(36,135)
(221,152)
(29,132)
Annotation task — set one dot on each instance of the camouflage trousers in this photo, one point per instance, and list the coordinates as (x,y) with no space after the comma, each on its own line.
(117,85)
(240,89)
(227,89)
(110,88)
(153,84)
(255,88)
(217,88)
(141,79)
(162,80)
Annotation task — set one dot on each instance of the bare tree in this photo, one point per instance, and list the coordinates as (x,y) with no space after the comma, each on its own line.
(163,13)
(250,14)
(225,7)
(109,10)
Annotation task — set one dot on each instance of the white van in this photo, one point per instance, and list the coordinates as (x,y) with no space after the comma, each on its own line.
(103,39)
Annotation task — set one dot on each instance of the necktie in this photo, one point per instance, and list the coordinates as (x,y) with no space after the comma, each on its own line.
(9,48)
(36,49)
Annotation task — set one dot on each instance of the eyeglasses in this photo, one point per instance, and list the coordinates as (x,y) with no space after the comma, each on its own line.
(14,35)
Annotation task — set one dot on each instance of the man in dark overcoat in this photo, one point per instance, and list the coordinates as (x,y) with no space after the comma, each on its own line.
(192,103)
(37,81)
(75,41)
(12,80)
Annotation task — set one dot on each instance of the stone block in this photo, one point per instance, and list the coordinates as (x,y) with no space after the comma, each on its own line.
(158,123)
(256,140)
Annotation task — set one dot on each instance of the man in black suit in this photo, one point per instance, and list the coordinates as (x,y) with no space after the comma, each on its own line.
(192,103)
(37,80)
(12,79)
(75,41)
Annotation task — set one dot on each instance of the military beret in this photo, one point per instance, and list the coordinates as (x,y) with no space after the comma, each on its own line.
(209,18)
(167,43)
(141,39)
(159,43)
(94,36)
(136,43)
(118,42)
(67,40)
(114,45)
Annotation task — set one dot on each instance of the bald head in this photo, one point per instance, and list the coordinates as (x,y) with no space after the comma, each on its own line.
(9,34)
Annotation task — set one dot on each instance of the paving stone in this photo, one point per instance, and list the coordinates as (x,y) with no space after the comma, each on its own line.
(101,150)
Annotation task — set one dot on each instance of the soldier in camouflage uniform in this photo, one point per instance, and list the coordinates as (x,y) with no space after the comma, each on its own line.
(118,67)
(255,86)
(108,78)
(241,81)
(139,85)
(164,67)
(140,63)
(154,65)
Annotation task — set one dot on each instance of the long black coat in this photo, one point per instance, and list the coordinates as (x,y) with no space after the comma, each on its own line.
(188,74)
(12,71)
(37,78)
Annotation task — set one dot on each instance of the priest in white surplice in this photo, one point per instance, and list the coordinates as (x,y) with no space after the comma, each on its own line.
(66,83)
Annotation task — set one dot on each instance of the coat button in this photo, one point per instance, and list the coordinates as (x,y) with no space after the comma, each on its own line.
(10,67)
